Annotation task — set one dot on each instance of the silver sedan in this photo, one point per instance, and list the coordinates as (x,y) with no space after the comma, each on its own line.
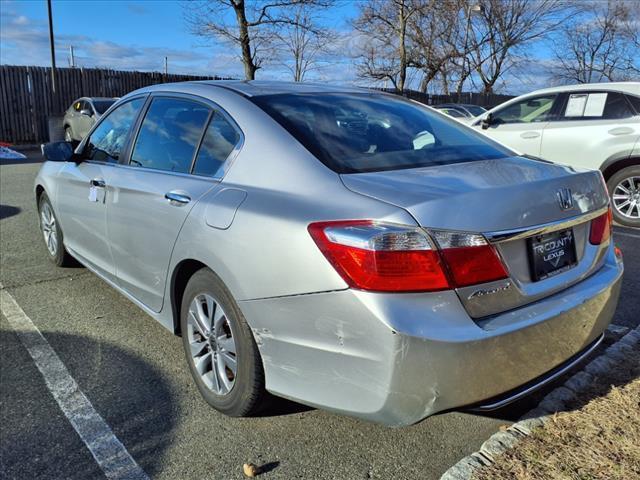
(347,249)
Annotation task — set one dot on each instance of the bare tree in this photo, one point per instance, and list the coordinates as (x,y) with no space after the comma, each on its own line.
(433,32)
(251,26)
(502,30)
(304,42)
(602,43)
(383,25)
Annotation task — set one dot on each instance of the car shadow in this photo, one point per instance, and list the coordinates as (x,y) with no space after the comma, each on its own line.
(278,407)
(7,211)
(131,395)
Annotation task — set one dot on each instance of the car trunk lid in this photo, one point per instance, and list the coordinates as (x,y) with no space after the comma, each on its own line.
(503,199)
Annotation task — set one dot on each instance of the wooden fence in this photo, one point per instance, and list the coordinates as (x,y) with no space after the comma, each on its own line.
(27,103)
(26,100)
(486,100)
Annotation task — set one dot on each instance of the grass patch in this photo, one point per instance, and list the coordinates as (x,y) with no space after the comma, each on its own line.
(598,437)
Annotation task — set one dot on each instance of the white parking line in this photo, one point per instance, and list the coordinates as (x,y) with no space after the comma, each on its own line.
(110,454)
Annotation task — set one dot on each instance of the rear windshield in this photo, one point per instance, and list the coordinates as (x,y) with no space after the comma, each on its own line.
(102,106)
(354,133)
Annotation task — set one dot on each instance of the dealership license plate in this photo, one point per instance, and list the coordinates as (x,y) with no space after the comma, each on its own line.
(551,253)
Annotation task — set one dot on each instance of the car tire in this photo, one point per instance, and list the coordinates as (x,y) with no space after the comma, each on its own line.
(625,183)
(68,134)
(52,233)
(210,359)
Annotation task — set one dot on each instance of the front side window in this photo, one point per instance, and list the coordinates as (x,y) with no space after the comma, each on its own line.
(77,106)
(219,141)
(537,109)
(109,138)
(169,134)
(364,132)
(86,106)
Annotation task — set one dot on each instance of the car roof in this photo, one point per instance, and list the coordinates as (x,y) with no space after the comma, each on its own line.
(253,88)
(626,87)
(93,99)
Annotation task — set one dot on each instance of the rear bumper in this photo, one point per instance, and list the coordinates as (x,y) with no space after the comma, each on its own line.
(396,359)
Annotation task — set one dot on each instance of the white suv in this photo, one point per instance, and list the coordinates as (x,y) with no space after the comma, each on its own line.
(592,125)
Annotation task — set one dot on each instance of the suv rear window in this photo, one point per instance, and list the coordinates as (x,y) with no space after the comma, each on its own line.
(353,133)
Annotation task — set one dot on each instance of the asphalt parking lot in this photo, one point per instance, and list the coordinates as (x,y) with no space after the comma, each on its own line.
(134,374)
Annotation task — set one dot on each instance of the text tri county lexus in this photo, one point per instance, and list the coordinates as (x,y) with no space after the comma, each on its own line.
(350,250)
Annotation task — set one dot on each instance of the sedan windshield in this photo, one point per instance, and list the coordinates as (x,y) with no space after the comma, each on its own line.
(102,106)
(475,110)
(353,133)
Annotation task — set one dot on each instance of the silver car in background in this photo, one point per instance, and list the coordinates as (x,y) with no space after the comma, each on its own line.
(82,115)
(350,250)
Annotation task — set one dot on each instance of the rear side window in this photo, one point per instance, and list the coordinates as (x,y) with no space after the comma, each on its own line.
(109,138)
(169,134)
(530,110)
(362,132)
(102,106)
(219,141)
(597,106)
(635,101)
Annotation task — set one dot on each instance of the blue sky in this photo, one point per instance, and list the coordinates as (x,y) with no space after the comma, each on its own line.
(137,35)
(119,34)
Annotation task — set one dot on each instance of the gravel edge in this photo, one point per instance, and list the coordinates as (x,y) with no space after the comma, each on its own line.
(556,400)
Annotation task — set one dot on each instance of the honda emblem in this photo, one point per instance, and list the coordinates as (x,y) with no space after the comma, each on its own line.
(564,198)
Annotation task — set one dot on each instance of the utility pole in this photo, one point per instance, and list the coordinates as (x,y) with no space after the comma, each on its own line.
(53,50)
(72,58)
(166,67)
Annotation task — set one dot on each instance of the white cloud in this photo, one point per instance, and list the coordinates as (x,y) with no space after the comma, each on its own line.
(26,42)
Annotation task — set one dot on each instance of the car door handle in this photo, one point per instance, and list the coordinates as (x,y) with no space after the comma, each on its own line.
(620,131)
(529,134)
(97,182)
(177,199)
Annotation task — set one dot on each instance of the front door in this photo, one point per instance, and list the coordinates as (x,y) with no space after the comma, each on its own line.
(82,212)
(83,189)
(520,125)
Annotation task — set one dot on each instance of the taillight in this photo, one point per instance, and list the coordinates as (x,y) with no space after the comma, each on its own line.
(470,258)
(601,228)
(381,256)
(389,257)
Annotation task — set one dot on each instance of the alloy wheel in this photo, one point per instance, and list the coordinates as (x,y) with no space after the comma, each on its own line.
(48,224)
(213,348)
(626,197)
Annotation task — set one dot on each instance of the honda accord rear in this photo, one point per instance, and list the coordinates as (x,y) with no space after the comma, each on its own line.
(347,249)
(499,275)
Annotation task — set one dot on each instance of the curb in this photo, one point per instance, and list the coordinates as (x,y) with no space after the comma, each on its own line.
(556,400)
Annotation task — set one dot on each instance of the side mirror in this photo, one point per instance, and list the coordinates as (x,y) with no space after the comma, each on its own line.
(486,121)
(58,152)
(86,112)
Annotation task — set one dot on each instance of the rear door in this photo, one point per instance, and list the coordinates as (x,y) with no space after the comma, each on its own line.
(520,124)
(155,192)
(82,194)
(591,126)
